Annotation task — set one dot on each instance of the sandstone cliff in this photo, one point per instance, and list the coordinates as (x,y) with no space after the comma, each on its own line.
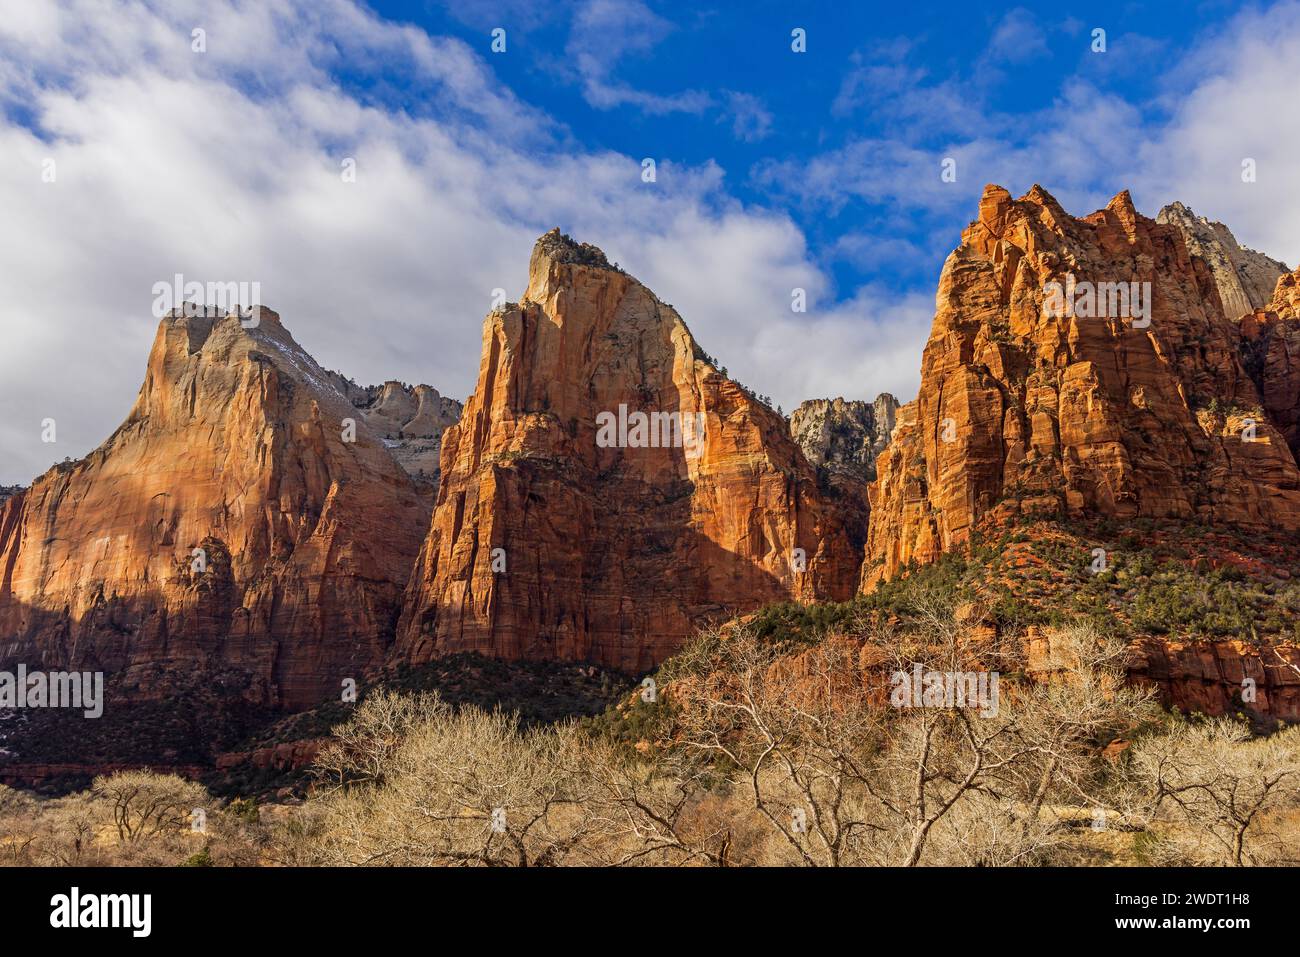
(548,542)
(1245,278)
(1271,353)
(228,523)
(1023,407)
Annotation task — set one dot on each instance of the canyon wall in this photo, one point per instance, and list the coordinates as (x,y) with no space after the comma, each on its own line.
(228,522)
(1021,406)
(1271,353)
(547,542)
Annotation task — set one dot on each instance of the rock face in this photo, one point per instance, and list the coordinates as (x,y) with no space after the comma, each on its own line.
(287,756)
(226,523)
(1271,353)
(409,419)
(1206,677)
(9,491)
(1027,407)
(844,437)
(1245,278)
(560,533)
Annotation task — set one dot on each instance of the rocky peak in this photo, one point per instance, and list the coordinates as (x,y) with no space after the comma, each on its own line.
(189,347)
(844,436)
(560,266)
(1245,278)
(409,419)
(1126,404)
(607,489)
(231,522)
(561,248)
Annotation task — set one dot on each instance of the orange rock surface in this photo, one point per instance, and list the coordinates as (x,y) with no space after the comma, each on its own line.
(1205,677)
(611,554)
(1271,351)
(1096,415)
(235,447)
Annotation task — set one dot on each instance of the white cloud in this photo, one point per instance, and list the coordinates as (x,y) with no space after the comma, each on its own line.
(226,166)
(1017,38)
(1230,97)
(750,120)
(606,31)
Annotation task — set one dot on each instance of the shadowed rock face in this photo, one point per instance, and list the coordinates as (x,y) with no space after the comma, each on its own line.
(1244,278)
(235,447)
(1069,413)
(1271,353)
(842,440)
(1260,294)
(605,553)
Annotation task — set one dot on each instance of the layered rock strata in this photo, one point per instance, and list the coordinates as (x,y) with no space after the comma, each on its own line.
(608,490)
(1079,365)
(232,520)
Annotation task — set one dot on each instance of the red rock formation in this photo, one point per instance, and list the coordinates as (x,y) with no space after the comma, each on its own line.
(611,554)
(285,756)
(1020,407)
(1207,677)
(1271,352)
(236,447)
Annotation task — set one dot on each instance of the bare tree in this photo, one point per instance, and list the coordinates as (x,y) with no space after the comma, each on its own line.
(666,810)
(1080,699)
(18,811)
(362,749)
(66,831)
(799,756)
(143,804)
(1212,788)
(468,788)
(844,772)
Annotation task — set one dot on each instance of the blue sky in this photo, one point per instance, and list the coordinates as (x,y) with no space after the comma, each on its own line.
(776,170)
(719,84)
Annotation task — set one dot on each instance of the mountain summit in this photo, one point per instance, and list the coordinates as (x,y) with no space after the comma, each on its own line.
(1128,406)
(608,490)
(243,516)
